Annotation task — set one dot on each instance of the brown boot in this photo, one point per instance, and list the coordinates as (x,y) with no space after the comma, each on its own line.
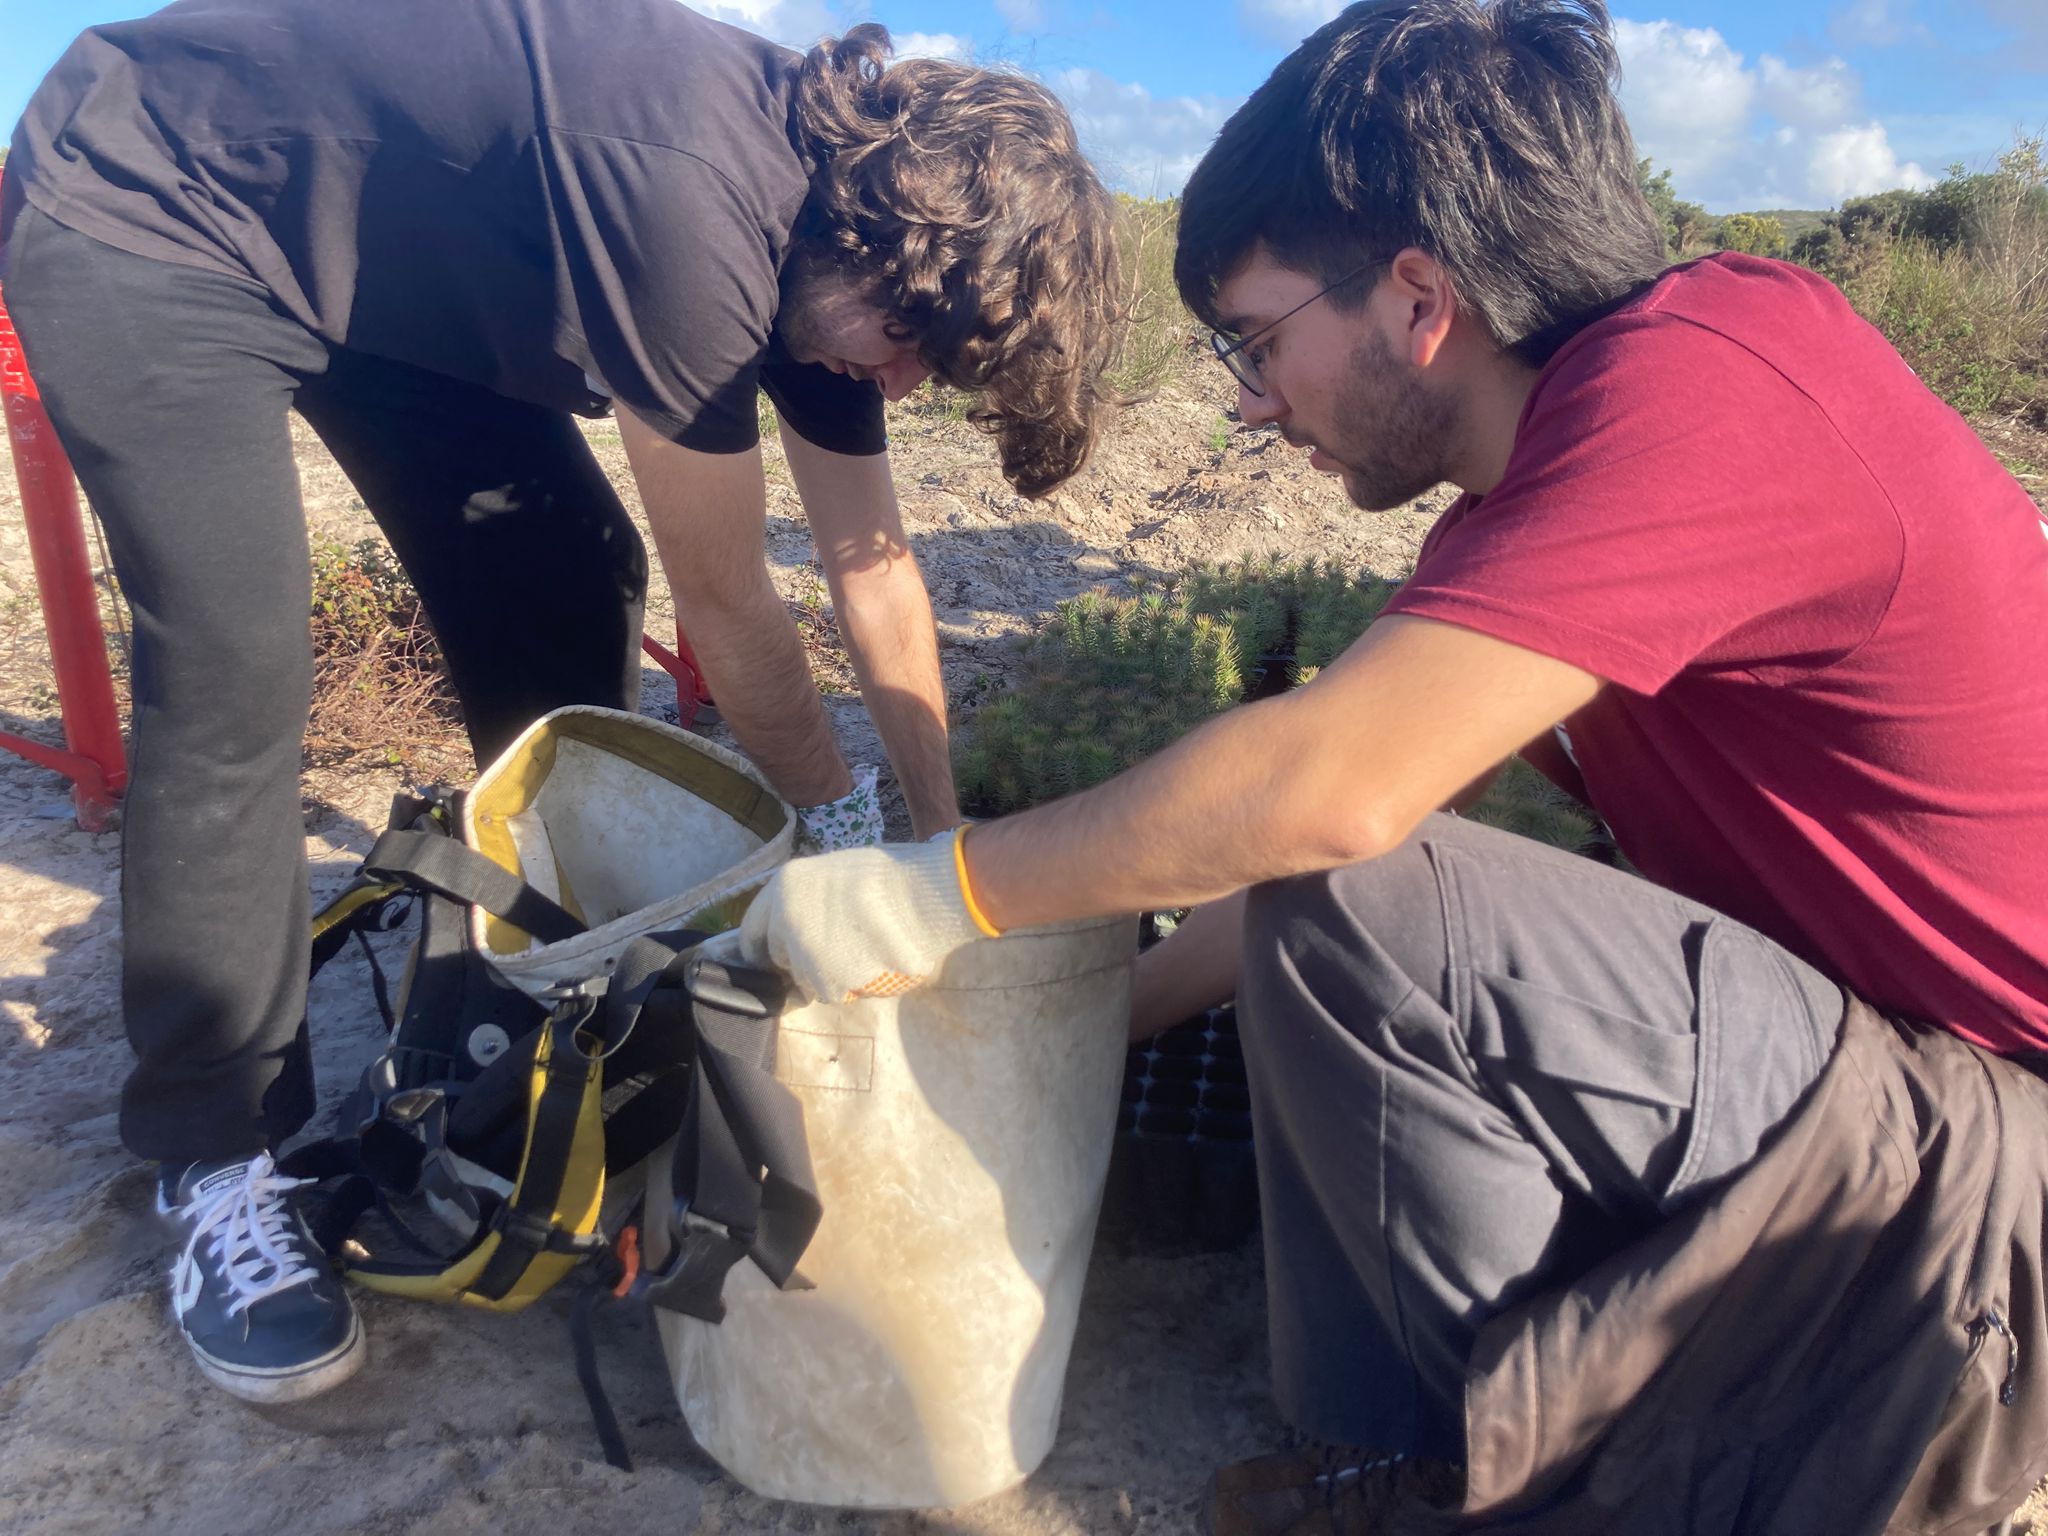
(1326,1491)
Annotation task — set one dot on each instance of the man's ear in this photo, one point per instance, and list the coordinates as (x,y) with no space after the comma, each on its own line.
(1425,304)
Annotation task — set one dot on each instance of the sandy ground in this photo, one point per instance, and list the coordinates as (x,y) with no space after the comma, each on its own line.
(468,1422)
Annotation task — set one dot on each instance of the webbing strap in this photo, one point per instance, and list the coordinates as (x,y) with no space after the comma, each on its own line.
(742,1184)
(437,862)
(526,1224)
(361,903)
(609,1437)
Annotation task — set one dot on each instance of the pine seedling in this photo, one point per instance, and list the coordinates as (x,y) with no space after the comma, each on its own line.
(1217,679)
(1094,762)
(1522,801)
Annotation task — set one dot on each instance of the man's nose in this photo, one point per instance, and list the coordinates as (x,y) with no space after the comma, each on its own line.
(900,375)
(1259,410)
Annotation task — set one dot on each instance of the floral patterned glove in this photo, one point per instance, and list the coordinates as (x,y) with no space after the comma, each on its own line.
(854,820)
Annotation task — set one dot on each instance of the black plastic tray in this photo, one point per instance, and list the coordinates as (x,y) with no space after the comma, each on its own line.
(1182,1171)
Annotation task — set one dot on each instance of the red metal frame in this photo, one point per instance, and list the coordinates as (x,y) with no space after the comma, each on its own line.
(94,759)
(681,664)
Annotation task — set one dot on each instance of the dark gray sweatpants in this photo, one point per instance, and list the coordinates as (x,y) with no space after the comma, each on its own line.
(171,389)
(1478,1065)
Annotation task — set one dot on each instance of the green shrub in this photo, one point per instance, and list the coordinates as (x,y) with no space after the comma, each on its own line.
(1956,277)
(1754,234)
(1157,332)
(1685,225)
(1111,680)
(1108,681)
(1333,610)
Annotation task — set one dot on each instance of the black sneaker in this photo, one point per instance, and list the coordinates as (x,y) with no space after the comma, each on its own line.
(264,1312)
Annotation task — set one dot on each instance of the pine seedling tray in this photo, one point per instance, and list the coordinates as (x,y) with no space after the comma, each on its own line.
(1182,1171)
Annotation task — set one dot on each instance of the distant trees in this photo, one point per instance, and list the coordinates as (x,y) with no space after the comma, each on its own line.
(1685,224)
(1983,211)
(1955,275)
(1753,234)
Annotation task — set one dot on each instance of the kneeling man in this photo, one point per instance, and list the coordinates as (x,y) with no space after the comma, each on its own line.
(1705,1200)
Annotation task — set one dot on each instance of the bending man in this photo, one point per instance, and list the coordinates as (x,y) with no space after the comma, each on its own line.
(439,233)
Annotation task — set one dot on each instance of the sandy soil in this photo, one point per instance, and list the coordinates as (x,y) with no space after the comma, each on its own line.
(467,1422)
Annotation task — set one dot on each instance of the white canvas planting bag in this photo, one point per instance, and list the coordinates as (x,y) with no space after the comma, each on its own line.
(632,825)
(959,1135)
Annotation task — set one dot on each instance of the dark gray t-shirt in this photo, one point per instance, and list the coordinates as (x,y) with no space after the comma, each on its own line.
(526,194)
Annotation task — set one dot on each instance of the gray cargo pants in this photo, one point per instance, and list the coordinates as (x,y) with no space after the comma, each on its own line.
(1478,1065)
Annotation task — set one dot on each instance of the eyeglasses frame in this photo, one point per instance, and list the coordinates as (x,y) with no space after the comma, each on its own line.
(1230,352)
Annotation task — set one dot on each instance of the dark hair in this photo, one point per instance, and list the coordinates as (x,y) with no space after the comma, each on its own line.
(1487,135)
(963,194)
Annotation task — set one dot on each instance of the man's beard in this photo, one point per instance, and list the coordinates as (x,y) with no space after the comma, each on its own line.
(1394,430)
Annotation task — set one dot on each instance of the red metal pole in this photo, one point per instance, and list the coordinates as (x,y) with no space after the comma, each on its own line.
(681,664)
(95,761)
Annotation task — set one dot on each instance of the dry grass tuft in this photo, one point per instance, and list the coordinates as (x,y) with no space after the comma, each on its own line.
(1157,331)
(379,686)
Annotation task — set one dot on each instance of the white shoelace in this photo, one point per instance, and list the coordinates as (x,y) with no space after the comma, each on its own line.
(246,1227)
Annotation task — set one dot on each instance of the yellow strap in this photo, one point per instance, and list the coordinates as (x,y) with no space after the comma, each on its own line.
(352,900)
(966,888)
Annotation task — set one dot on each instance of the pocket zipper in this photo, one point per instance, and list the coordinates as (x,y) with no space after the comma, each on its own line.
(1991,1322)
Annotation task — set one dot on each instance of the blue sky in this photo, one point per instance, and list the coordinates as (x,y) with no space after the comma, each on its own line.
(1752,103)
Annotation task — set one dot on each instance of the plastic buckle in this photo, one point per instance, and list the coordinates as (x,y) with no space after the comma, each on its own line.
(692,1282)
(523,1229)
(562,996)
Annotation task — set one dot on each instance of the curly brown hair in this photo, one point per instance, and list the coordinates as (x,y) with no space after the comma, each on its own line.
(962,196)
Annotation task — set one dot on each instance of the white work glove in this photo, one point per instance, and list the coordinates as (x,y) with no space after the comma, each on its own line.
(854,820)
(864,922)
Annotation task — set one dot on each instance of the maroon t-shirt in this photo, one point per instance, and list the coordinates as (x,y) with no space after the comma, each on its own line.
(1822,606)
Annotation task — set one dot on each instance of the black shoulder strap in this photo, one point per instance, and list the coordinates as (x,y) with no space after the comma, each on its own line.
(740,1183)
(747,1165)
(436,862)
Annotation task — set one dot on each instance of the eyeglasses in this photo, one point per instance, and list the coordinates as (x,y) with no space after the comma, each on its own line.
(1230,350)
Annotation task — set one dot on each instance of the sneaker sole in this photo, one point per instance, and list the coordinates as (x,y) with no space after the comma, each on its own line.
(295,1383)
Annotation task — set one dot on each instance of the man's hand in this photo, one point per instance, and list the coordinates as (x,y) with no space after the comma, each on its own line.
(852,821)
(709,514)
(864,922)
(885,617)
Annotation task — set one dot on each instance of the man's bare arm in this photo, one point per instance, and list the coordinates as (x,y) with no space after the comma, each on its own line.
(1193,968)
(709,515)
(1336,772)
(885,617)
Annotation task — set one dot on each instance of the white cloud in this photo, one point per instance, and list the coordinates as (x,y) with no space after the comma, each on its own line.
(1735,135)
(1856,161)
(1139,142)
(1022,15)
(800,23)
(1820,96)
(793,23)
(1688,97)
(931,45)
